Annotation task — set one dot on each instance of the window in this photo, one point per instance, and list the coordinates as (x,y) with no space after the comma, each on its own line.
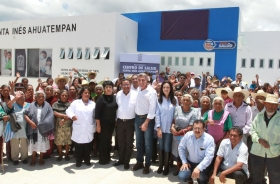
(279,63)
(200,61)
(79,53)
(191,61)
(270,64)
(208,61)
(163,60)
(96,53)
(243,63)
(106,53)
(87,55)
(176,61)
(261,63)
(184,61)
(169,61)
(252,63)
(62,53)
(70,53)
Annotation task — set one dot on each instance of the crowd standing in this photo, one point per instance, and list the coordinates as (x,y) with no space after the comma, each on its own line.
(211,128)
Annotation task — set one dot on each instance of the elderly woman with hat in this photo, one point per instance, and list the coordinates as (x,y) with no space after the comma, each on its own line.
(266,140)
(218,120)
(240,111)
(105,116)
(61,82)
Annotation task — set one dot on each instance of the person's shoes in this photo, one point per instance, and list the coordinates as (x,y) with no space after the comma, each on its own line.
(15,162)
(160,169)
(67,158)
(116,154)
(146,169)
(126,166)
(78,164)
(25,161)
(118,163)
(59,159)
(175,173)
(41,163)
(137,166)
(88,163)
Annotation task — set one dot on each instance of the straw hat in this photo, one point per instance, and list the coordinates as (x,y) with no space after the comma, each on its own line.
(259,93)
(61,77)
(92,72)
(270,99)
(219,91)
(245,92)
(84,83)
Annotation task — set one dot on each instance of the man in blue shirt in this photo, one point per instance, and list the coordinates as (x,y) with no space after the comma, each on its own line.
(200,148)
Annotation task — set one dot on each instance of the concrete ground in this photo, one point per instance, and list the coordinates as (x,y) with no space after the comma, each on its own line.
(66,172)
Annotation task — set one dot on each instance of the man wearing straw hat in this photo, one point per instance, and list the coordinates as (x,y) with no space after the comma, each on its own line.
(240,111)
(61,81)
(90,75)
(265,150)
(260,95)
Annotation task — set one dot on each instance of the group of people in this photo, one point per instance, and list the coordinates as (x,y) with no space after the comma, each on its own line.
(210,128)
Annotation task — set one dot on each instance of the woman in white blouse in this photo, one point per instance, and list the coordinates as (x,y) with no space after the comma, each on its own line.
(81,111)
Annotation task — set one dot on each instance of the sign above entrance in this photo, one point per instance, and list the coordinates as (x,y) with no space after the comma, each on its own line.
(211,45)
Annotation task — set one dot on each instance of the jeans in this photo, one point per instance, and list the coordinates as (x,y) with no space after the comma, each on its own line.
(184,176)
(144,139)
(165,142)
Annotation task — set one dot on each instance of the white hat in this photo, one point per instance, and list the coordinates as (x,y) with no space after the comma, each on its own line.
(259,93)
(92,72)
(219,91)
(270,99)
(245,92)
(84,83)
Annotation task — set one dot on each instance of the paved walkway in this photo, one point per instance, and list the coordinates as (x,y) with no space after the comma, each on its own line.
(66,172)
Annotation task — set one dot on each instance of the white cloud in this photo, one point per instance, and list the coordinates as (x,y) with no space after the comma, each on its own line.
(258,15)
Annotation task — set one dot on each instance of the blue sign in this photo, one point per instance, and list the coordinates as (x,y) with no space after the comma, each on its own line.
(135,68)
(211,45)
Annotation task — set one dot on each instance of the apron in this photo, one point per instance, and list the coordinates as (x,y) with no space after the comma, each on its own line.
(217,131)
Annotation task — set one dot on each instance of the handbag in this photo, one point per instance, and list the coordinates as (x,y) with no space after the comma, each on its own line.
(15,126)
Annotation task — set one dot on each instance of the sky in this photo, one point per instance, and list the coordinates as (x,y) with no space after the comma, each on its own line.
(258,15)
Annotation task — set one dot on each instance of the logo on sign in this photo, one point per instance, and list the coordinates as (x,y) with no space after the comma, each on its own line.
(211,45)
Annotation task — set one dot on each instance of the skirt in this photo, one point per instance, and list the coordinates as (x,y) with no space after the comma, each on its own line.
(42,145)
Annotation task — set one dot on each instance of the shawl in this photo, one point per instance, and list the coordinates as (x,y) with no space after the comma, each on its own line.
(60,106)
(45,125)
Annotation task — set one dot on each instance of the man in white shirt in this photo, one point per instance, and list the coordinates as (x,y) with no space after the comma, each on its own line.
(238,81)
(240,111)
(144,123)
(126,100)
(232,158)
(134,81)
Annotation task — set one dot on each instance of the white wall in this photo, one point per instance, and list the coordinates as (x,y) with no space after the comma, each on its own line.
(259,45)
(101,30)
(196,68)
